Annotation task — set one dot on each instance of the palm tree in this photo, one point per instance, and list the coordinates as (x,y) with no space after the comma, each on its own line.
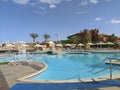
(86,39)
(34,36)
(112,38)
(46,36)
(74,40)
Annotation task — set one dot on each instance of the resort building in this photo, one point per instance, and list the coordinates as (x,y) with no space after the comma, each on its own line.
(92,35)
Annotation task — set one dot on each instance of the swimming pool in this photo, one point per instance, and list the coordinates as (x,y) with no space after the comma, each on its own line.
(74,66)
(71,66)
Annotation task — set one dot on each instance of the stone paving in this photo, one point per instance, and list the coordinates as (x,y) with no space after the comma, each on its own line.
(9,74)
(3,82)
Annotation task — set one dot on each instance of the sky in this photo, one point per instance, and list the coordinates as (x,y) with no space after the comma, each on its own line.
(20,18)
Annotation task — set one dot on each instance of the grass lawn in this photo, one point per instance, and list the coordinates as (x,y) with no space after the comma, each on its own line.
(3,63)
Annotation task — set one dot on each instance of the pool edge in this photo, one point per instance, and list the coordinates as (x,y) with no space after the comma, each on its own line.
(26,80)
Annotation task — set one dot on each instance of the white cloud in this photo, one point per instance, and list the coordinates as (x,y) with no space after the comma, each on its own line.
(93,1)
(52,6)
(115,21)
(21,1)
(86,2)
(52,3)
(98,19)
(39,5)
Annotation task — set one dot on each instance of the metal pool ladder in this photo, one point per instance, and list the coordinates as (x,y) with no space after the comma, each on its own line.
(109,61)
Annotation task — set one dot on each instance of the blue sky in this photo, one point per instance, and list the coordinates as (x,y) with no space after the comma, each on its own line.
(20,18)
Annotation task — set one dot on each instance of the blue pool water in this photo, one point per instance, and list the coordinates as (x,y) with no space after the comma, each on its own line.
(71,66)
(74,66)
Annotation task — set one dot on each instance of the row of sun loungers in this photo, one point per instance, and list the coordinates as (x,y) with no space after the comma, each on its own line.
(75,52)
(21,62)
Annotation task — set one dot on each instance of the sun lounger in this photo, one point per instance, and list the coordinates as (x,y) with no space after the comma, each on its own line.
(13,62)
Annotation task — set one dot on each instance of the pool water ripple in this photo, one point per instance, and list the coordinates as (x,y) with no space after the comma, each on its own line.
(74,66)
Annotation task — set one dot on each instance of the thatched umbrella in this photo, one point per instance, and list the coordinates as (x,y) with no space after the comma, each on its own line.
(110,43)
(90,43)
(25,45)
(59,45)
(51,44)
(68,45)
(100,44)
(9,46)
(80,44)
(38,45)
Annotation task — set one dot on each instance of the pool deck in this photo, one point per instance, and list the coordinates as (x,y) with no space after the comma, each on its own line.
(10,73)
(103,50)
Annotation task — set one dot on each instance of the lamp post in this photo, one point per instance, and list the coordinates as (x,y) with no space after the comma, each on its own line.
(57,37)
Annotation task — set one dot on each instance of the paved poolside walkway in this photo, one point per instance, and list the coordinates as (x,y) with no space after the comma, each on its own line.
(110,85)
(9,74)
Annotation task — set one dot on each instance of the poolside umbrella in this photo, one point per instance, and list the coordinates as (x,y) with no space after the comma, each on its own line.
(80,44)
(51,43)
(9,46)
(90,44)
(68,45)
(100,44)
(110,43)
(25,45)
(38,45)
(59,45)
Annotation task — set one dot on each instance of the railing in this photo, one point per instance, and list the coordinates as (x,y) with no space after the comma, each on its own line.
(110,67)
